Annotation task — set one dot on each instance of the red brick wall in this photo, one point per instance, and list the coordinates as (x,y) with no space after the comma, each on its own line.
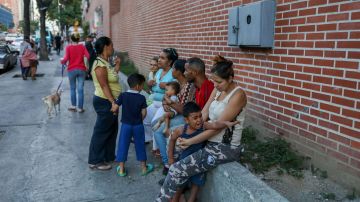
(307,89)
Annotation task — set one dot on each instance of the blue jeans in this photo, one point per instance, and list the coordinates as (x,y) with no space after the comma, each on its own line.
(103,140)
(161,140)
(76,79)
(126,132)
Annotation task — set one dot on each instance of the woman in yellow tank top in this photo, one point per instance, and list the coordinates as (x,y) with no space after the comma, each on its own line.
(107,89)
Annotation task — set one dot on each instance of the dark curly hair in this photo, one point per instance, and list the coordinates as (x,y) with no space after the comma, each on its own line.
(171,54)
(101,43)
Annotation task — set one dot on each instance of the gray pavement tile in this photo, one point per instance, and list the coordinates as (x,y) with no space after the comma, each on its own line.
(45,158)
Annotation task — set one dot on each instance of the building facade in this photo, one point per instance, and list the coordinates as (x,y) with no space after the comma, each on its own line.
(17,9)
(306,89)
(6,17)
(98,14)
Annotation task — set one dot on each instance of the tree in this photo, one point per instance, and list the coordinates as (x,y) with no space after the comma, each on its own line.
(66,12)
(3,28)
(43,5)
(34,25)
(26,22)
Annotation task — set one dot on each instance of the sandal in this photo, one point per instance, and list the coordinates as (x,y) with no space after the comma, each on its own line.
(119,173)
(101,166)
(149,169)
(72,109)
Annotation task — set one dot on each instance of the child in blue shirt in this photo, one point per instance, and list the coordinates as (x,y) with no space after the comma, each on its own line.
(194,126)
(133,113)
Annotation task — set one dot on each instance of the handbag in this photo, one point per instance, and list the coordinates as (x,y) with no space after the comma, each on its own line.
(227,137)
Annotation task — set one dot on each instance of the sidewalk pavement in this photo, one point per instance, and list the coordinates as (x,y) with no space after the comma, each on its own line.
(45,159)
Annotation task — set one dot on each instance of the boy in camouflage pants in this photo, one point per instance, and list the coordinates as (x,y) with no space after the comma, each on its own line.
(205,159)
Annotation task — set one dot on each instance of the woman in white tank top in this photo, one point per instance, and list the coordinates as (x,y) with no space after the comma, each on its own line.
(226,103)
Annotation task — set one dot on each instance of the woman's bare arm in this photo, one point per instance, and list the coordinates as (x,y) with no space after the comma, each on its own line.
(205,110)
(171,146)
(101,75)
(236,103)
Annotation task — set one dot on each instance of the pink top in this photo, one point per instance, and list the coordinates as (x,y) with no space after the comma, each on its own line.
(74,54)
(28,55)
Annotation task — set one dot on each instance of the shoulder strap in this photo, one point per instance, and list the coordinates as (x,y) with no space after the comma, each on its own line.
(185,128)
(231,93)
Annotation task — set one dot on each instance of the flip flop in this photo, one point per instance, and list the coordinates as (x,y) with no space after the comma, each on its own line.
(120,174)
(149,169)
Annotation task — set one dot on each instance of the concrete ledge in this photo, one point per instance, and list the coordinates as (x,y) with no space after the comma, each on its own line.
(232,182)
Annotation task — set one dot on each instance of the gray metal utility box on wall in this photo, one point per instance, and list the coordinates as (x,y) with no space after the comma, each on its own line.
(252,25)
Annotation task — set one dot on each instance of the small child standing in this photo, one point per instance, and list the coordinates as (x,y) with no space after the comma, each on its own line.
(171,91)
(133,113)
(193,127)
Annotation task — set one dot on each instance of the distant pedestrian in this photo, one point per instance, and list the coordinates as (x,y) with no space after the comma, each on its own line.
(133,113)
(24,61)
(74,56)
(58,41)
(33,60)
(90,48)
(107,89)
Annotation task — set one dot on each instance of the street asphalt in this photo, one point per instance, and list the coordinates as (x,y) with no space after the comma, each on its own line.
(44,158)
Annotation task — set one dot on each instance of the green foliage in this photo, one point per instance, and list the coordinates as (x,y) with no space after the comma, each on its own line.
(128,68)
(351,196)
(328,196)
(67,12)
(323,174)
(273,152)
(318,172)
(86,28)
(34,25)
(3,27)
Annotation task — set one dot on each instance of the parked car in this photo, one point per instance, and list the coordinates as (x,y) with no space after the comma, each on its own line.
(11,37)
(8,57)
(2,36)
(17,43)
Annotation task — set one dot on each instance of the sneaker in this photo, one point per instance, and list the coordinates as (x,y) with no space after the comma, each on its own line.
(165,170)
(72,108)
(92,166)
(100,166)
(81,110)
(161,182)
(104,166)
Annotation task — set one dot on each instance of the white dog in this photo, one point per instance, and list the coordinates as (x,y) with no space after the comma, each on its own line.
(51,101)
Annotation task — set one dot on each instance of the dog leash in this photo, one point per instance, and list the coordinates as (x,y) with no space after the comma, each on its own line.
(62,77)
